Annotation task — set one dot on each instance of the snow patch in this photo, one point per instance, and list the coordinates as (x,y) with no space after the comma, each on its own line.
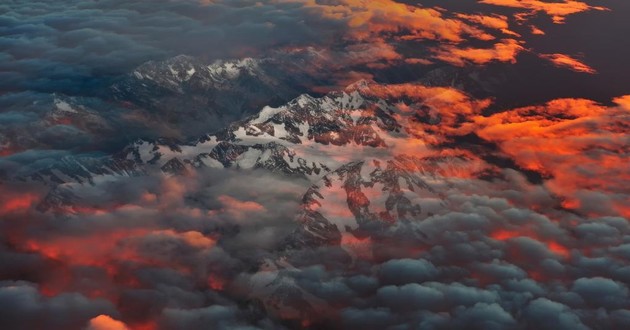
(249,158)
(266,114)
(190,73)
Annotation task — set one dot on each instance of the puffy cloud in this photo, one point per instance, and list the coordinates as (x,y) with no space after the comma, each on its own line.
(489,249)
(369,19)
(601,292)
(105,322)
(23,307)
(403,271)
(139,246)
(521,218)
(240,209)
(623,101)
(484,316)
(577,143)
(546,314)
(410,297)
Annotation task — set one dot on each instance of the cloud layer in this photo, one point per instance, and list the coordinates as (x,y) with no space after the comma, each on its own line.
(488,246)
(445,210)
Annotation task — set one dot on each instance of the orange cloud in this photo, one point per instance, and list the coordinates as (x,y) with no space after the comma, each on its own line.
(536,31)
(579,145)
(552,246)
(113,251)
(192,238)
(103,246)
(374,30)
(369,18)
(504,51)
(105,322)
(566,61)
(496,22)
(623,102)
(418,61)
(385,21)
(558,10)
(11,203)
(240,209)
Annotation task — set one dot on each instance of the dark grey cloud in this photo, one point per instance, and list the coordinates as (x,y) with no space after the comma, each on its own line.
(464,277)
(23,307)
(216,317)
(602,292)
(546,314)
(404,271)
(181,233)
(76,46)
(410,297)
(65,49)
(371,318)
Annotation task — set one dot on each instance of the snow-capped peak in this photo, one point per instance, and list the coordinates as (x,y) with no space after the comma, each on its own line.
(170,72)
(231,69)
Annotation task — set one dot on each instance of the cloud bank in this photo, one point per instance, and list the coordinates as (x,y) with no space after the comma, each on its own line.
(465,216)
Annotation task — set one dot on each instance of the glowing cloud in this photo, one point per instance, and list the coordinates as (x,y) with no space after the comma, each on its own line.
(566,61)
(240,209)
(623,102)
(581,146)
(17,203)
(370,19)
(536,31)
(504,51)
(558,10)
(105,322)
(385,22)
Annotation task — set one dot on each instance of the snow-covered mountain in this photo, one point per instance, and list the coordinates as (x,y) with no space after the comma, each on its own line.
(177,100)
(351,144)
(308,136)
(194,97)
(180,98)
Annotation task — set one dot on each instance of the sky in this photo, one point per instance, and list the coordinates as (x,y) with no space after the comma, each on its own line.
(511,137)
